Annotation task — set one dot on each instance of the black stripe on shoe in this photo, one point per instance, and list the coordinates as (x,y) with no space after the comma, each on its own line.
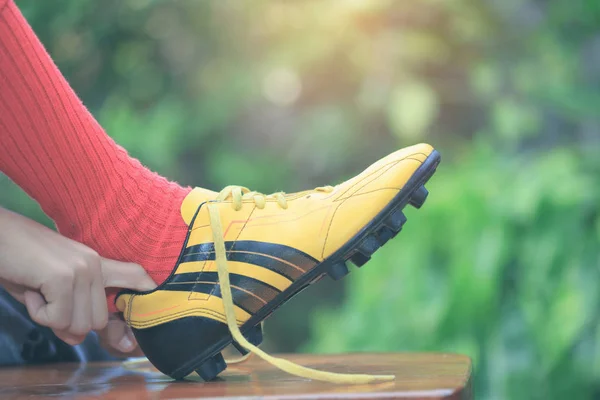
(249,294)
(284,260)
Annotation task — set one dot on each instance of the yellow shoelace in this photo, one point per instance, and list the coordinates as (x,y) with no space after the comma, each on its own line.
(238,194)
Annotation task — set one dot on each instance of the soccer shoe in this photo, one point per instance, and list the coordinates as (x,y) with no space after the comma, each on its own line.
(246,254)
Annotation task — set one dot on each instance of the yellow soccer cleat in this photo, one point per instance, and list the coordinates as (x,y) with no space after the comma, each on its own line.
(247,253)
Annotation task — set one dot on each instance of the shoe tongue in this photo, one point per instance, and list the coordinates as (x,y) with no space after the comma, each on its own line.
(191,202)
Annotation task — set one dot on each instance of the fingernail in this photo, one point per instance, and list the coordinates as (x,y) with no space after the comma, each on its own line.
(125,344)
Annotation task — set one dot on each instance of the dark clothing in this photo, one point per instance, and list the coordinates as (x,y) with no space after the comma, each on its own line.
(24,342)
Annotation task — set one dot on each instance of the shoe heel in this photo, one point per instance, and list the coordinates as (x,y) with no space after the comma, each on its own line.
(178,348)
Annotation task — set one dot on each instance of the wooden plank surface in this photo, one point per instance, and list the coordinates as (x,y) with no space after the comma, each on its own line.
(418,376)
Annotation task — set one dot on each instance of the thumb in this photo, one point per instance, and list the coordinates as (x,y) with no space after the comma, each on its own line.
(119,336)
(125,275)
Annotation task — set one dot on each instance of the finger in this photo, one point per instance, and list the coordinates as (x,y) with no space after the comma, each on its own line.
(81,322)
(69,338)
(126,275)
(37,307)
(120,337)
(98,301)
(55,315)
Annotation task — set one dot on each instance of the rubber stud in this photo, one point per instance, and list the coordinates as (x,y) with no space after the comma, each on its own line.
(212,367)
(359,259)
(369,245)
(254,336)
(338,271)
(384,234)
(396,220)
(419,197)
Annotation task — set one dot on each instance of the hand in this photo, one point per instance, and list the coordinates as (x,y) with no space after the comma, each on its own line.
(61,282)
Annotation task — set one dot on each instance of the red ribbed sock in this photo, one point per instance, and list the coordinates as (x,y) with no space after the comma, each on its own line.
(54,149)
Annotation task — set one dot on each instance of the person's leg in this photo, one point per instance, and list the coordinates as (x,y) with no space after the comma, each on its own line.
(54,149)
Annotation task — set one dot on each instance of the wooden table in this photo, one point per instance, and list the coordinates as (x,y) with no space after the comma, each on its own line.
(418,376)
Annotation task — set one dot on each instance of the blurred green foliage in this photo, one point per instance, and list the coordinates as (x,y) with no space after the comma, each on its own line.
(501,263)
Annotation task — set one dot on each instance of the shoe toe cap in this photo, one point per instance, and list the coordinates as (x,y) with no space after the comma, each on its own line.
(368,195)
